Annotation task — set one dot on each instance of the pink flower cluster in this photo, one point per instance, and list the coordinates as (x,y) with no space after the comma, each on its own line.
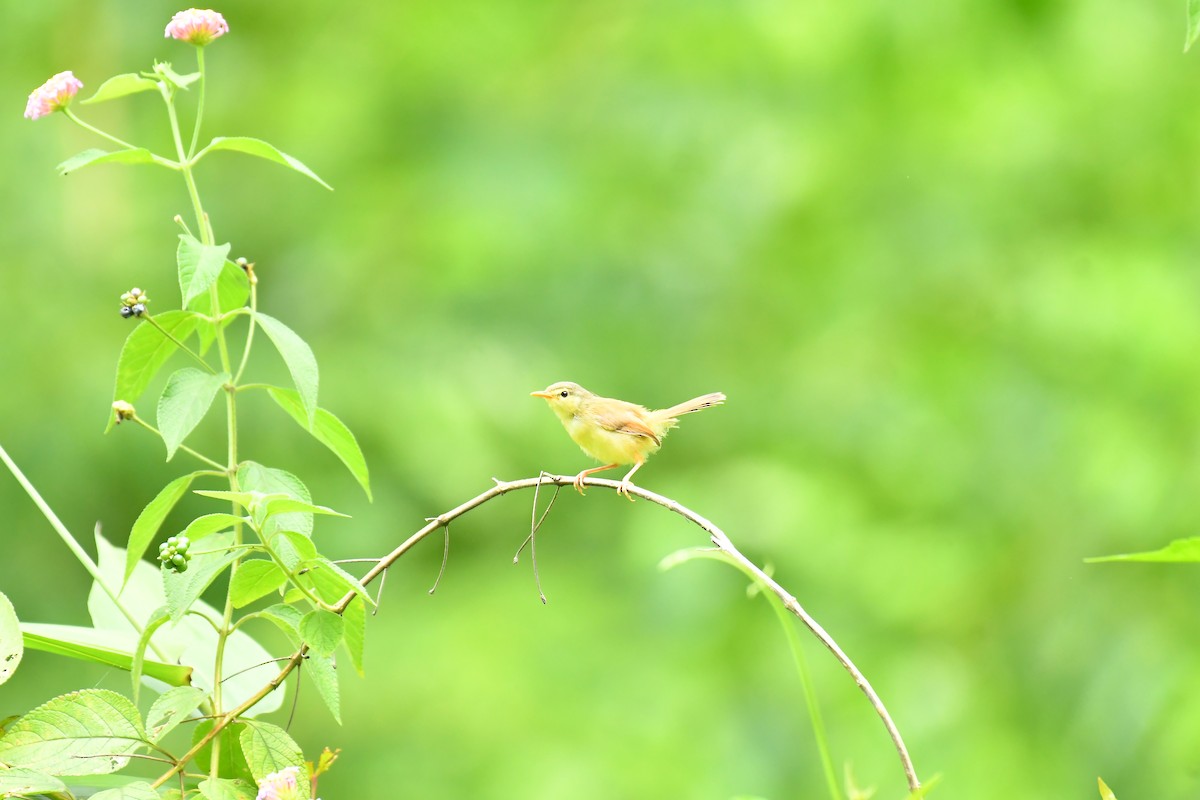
(279,785)
(196,26)
(52,95)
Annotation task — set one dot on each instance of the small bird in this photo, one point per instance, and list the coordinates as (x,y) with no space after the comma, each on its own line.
(614,431)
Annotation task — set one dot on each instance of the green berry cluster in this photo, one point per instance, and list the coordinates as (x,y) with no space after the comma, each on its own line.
(173,553)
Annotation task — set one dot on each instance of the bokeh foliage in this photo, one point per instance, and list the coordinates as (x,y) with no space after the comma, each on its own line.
(941,259)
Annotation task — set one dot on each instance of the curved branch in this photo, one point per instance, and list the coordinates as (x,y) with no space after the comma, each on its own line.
(716,535)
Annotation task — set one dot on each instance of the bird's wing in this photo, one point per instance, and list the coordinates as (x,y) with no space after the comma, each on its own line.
(625,419)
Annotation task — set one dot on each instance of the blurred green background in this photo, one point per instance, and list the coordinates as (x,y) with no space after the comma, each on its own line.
(940,257)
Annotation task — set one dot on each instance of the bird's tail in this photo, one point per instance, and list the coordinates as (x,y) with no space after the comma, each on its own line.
(695,404)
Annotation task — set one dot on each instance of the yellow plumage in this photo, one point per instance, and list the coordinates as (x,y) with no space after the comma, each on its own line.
(614,431)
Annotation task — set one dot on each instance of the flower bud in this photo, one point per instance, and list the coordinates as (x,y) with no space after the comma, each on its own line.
(53,95)
(123,411)
(196,26)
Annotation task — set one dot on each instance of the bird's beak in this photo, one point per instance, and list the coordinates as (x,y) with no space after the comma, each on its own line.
(543,395)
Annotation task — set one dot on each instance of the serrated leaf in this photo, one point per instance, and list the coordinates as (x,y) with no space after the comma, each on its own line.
(145,350)
(293,548)
(121,86)
(1178,551)
(323,672)
(191,641)
(298,357)
(355,634)
(137,790)
(226,789)
(322,630)
(171,708)
(18,782)
(94,156)
(329,431)
(243,499)
(253,476)
(184,588)
(286,618)
(148,523)
(261,149)
(99,647)
(254,579)
(268,748)
(88,732)
(199,265)
(12,643)
(185,400)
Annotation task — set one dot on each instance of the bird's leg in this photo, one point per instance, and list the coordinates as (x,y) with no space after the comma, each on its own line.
(579,478)
(626,483)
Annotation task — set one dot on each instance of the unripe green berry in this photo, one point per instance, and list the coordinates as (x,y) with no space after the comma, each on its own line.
(173,541)
(183,544)
(179,561)
(183,568)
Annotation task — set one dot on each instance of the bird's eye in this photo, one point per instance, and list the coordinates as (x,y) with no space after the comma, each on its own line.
(563,393)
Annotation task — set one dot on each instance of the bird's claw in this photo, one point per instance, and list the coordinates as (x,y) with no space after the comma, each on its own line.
(578,482)
(623,489)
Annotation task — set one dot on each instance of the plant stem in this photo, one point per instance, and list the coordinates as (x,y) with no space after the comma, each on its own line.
(182,447)
(76,549)
(179,344)
(206,237)
(200,104)
(71,116)
(716,535)
(249,332)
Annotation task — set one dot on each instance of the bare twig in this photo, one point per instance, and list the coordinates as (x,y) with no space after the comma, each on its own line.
(442,571)
(715,534)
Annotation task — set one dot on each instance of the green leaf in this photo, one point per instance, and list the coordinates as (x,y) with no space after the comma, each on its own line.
(163,71)
(286,618)
(171,708)
(94,156)
(19,782)
(185,400)
(1193,24)
(333,582)
(184,588)
(210,523)
(1178,551)
(1105,792)
(88,644)
(233,289)
(233,764)
(191,641)
(329,431)
(243,499)
(254,579)
(323,672)
(268,748)
(225,789)
(157,620)
(355,633)
(322,630)
(121,86)
(145,351)
(298,356)
(290,505)
(82,733)
(146,526)
(137,790)
(12,644)
(199,265)
(253,476)
(293,548)
(257,147)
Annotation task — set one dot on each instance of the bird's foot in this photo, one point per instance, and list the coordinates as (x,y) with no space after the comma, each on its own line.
(623,490)
(578,482)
